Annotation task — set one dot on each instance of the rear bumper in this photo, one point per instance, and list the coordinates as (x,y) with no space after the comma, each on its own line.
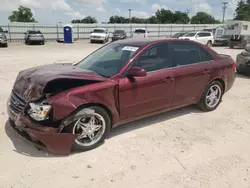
(35,39)
(3,41)
(42,137)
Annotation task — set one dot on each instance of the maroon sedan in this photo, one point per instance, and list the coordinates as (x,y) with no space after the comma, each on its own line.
(63,106)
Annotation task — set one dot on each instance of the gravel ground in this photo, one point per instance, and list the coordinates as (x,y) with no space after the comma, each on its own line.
(181,148)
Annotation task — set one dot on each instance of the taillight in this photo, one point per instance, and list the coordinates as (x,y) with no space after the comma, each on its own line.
(234,66)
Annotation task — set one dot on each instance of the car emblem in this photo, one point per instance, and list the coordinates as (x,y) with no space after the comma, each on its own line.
(16,103)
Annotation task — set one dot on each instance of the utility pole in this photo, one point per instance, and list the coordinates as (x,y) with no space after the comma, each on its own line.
(130,22)
(224,7)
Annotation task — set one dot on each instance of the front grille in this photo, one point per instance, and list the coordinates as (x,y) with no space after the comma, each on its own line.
(17,104)
(96,37)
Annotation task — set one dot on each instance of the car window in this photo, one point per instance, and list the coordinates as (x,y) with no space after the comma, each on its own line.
(153,59)
(190,34)
(1,30)
(183,53)
(205,56)
(204,34)
(140,31)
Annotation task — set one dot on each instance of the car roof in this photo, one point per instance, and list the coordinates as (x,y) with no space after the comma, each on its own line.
(100,28)
(147,41)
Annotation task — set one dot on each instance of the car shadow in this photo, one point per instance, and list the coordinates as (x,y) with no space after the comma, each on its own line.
(150,121)
(26,148)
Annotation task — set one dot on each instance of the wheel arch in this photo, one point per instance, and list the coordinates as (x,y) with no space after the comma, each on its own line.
(82,106)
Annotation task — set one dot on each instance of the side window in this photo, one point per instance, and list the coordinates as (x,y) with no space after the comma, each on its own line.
(205,56)
(153,59)
(184,53)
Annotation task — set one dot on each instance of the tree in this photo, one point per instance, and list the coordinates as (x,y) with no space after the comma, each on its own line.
(87,19)
(242,10)
(152,20)
(203,18)
(180,18)
(23,14)
(118,19)
(165,16)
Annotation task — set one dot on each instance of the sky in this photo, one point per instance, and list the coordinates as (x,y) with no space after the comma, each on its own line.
(54,11)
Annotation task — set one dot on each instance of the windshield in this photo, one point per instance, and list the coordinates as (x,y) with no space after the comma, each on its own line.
(1,29)
(98,31)
(35,32)
(178,34)
(119,32)
(109,59)
(140,31)
(189,34)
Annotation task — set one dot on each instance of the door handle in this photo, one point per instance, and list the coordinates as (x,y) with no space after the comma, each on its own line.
(169,79)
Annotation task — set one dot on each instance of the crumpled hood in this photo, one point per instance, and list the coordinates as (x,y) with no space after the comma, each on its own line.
(30,83)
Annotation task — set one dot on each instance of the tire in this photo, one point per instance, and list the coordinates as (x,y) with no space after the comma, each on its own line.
(42,43)
(209,43)
(5,45)
(91,41)
(77,145)
(231,47)
(203,104)
(238,70)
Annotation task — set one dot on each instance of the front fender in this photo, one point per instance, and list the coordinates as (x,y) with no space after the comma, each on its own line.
(106,95)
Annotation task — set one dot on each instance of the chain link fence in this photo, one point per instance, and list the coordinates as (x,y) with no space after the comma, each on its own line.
(82,31)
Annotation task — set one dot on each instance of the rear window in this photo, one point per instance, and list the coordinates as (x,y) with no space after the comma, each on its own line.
(140,31)
(98,31)
(189,34)
(119,31)
(35,32)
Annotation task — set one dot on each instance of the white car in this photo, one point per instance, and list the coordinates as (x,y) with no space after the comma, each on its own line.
(203,37)
(99,35)
(140,32)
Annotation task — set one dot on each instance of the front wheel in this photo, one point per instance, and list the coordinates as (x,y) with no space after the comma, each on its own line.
(92,129)
(211,97)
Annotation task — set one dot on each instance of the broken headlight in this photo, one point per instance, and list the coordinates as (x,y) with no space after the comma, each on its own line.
(39,112)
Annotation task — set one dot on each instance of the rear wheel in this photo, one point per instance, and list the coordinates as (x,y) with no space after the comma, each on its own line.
(231,46)
(92,129)
(209,43)
(5,45)
(42,43)
(211,97)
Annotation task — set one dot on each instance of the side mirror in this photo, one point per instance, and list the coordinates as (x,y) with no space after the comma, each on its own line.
(25,33)
(137,72)
(5,31)
(91,31)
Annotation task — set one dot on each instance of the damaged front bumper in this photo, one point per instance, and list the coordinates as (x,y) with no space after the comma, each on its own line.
(46,138)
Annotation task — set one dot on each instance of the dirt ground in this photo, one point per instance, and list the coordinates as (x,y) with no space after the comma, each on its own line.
(182,148)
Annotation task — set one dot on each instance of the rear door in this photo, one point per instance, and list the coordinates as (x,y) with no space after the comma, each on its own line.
(192,71)
(202,38)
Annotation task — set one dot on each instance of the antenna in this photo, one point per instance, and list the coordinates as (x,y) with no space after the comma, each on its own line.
(224,7)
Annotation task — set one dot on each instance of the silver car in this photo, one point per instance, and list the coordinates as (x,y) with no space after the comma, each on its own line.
(32,36)
(3,38)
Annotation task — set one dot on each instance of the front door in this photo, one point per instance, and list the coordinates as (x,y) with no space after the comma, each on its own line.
(192,72)
(153,92)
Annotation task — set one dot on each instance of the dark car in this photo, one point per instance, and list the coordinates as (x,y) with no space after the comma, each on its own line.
(3,38)
(243,61)
(177,35)
(222,40)
(34,36)
(60,107)
(239,41)
(119,35)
